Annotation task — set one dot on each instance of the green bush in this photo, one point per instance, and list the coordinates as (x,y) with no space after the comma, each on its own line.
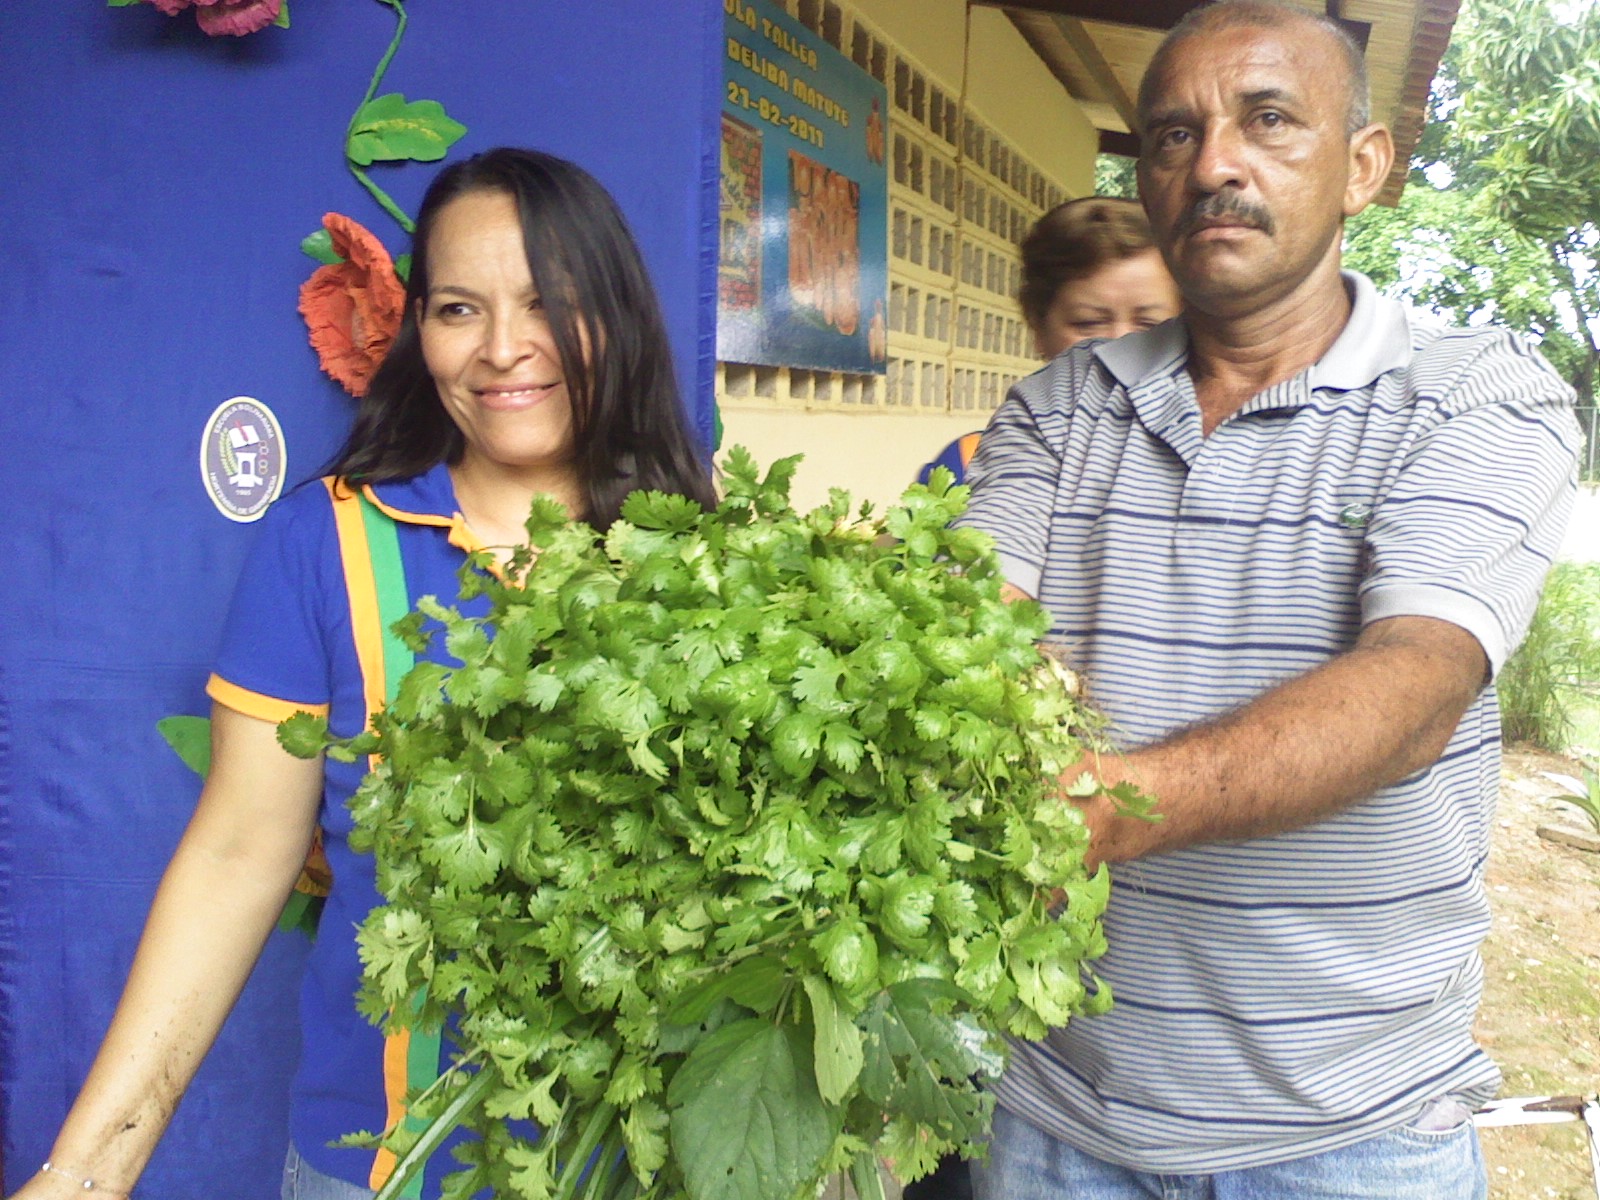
(1554,676)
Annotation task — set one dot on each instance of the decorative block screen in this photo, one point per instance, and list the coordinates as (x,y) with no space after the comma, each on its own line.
(961,198)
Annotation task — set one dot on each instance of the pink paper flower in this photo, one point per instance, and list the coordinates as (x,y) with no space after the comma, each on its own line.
(219,17)
(353,308)
(236,17)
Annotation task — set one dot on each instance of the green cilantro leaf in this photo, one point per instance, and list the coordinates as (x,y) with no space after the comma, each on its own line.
(747,1120)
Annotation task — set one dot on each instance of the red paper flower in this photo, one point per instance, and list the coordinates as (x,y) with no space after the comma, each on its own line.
(353,308)
(236,17)
(219,17)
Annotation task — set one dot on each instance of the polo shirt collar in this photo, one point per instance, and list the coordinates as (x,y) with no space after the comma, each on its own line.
(426,499)
(1376,339)
(1150,353)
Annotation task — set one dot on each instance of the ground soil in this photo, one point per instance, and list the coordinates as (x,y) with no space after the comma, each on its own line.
(1541,1008)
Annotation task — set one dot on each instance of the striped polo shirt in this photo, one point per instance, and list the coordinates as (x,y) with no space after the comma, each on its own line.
(1299,992)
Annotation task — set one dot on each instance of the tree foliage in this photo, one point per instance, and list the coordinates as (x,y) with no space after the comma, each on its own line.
(1113,176)
(1499,218)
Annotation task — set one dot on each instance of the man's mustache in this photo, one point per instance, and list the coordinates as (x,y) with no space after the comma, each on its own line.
(1230,205)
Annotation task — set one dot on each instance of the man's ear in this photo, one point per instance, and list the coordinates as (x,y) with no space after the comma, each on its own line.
(1371,156)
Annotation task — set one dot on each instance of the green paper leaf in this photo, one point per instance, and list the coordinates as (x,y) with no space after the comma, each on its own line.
(319,246)
(302,912)
(402,268)
(122,3)
(282,21)
(388,129)
(191,738)
(747,1120)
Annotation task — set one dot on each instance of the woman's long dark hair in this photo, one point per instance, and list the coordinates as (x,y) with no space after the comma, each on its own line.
(629,427)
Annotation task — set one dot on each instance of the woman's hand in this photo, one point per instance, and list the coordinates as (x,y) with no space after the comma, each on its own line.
(217,902)
(57,1183)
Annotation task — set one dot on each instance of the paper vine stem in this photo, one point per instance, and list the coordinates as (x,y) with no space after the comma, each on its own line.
(389,128)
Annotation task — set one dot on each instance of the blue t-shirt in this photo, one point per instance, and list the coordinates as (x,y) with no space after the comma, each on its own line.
(955,456)
(290,644)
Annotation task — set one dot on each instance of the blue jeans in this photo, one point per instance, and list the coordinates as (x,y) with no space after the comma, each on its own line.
(302,1181)
(1402,1164)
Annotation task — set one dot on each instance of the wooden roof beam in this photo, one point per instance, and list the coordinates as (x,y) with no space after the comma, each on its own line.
(1149,14)
(1146,14)
(1105,79)
(1114,141)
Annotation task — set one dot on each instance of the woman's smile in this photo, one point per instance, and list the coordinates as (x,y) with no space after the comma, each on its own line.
(514,397)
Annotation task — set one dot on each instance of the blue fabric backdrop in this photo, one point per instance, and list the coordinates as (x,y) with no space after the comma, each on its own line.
(156,186)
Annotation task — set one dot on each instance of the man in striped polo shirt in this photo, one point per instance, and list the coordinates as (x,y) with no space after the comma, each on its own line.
(1291,536)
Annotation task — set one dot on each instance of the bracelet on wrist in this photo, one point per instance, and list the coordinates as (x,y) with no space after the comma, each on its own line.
(84,1182)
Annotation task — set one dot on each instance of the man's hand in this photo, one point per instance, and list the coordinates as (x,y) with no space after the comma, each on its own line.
(1381,711)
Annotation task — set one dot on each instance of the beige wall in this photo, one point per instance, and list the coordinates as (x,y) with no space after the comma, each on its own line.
(1007,86)
(930,31)
(873,456)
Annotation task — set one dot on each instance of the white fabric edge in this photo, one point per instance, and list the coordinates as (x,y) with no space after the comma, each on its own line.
(1430,600)
(1021,574)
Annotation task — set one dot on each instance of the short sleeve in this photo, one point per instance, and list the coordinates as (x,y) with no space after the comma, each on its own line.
(274,659)
(1015,473)
(1476,512)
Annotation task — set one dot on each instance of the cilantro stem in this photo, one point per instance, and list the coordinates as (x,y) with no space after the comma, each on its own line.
(599,1123)
(627,1186)
(783,938)
(604,1167)
(465,1102)
(445,1078)
(864,1174)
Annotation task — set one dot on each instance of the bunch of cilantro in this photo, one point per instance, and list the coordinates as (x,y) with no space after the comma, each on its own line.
(729,852)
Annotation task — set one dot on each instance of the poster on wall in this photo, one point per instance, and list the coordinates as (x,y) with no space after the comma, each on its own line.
(803,267)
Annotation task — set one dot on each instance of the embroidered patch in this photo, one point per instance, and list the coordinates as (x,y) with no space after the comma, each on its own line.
(1355,516)
(242,458)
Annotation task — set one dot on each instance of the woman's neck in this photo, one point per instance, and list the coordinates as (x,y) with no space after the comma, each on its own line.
(495,501)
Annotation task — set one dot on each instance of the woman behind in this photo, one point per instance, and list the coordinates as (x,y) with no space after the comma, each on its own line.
(532,359)
(1090,269)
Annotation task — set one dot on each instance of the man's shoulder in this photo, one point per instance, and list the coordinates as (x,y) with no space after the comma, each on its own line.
(1463,368)
(1074,378)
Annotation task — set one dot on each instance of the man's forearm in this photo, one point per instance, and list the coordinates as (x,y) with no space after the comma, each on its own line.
(1304,749)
